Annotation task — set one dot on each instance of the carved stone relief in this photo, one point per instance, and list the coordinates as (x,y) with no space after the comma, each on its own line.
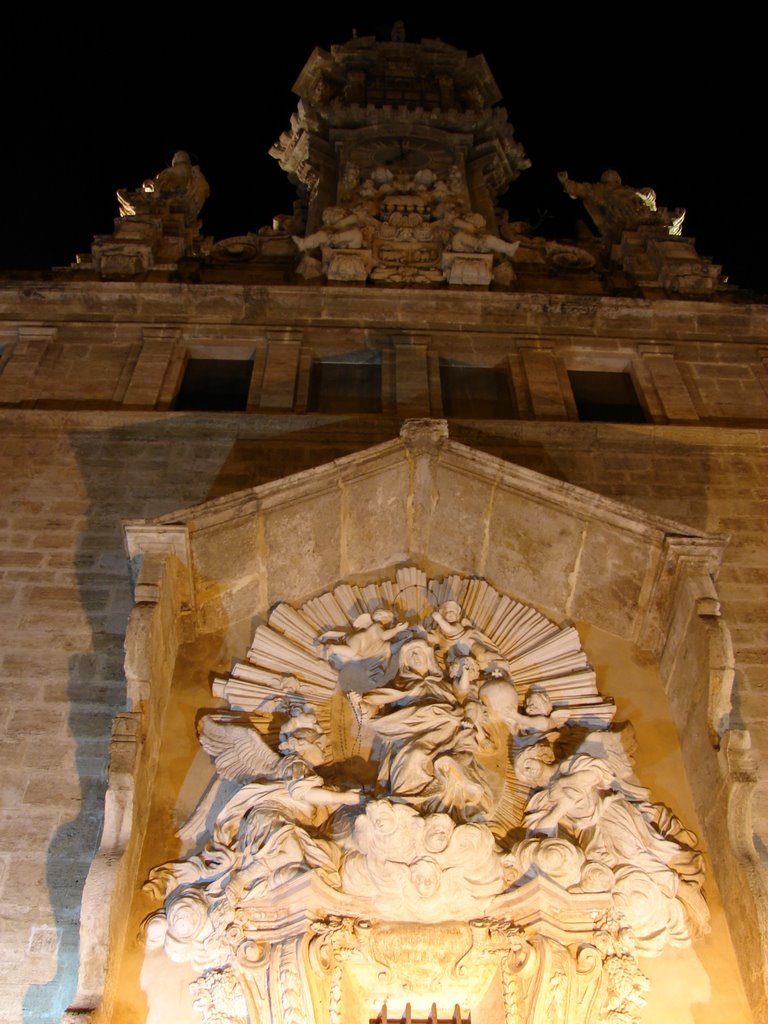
(158,223)
(643,237)
(419,793)
(403,227)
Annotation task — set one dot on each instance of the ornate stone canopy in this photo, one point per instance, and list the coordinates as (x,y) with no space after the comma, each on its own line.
(415,789)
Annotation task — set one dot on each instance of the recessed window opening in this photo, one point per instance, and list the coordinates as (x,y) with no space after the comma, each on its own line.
(346,383)
(606,395)
(475,392)
(215,385)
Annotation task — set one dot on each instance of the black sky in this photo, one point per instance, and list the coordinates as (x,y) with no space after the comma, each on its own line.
(98,98)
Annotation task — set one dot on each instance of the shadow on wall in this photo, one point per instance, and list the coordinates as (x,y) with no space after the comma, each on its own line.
(308,442)
(95,694)
(634,465)
(152,465)
(125,472)
(145,468)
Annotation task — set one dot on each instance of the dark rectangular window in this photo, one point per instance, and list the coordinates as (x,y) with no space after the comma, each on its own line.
(350,382)
(605,395)
(475,392)
(215,385)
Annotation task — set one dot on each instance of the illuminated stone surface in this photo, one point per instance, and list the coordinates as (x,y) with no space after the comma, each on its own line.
(672,620)
(458,816)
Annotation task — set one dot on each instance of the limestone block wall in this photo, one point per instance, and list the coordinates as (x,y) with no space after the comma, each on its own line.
(71,479)
(86,372)
(126,345)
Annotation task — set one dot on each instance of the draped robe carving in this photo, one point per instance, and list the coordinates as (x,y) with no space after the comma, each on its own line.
(474,804)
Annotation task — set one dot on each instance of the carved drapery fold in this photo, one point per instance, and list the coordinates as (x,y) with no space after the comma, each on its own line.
(422,771)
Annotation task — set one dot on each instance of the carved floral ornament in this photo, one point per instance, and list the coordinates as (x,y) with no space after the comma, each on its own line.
(420,794)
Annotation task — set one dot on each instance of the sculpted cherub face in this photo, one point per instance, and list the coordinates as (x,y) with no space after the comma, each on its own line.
(381,175)
(437,832)
(381,815)
(332,215)
(537,702)
(534,766)
(308,744)
(451,611)
(425,877)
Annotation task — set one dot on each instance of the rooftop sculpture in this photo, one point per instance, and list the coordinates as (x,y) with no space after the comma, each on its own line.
(399,153)
(616,208)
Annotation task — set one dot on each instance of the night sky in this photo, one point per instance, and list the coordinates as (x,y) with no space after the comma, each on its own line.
(97,101)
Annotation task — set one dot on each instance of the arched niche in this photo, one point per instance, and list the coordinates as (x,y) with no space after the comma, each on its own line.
(639,589)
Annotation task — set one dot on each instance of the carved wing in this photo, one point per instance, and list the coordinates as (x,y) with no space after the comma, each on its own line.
(239,752)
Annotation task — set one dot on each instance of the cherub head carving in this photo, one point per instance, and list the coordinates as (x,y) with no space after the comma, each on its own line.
(534,765)
(302,735)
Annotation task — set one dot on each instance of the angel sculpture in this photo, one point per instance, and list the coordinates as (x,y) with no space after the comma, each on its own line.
(264,835)
(594,797)
(538,717)
(470,235)
(181,181)
(369,643)
(456,636)
(342,229)
(615,207)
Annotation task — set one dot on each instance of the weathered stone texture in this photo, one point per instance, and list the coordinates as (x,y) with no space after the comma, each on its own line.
(121,351)
(70,479)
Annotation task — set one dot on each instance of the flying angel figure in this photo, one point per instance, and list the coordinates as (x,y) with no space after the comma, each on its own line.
(370,641)
(259,837)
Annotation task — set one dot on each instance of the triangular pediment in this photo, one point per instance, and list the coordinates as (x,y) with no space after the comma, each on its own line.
(424,498)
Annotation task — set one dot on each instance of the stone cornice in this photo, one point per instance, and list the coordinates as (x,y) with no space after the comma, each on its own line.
(519,312)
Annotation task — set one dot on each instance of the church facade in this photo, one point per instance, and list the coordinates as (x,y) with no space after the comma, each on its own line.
(408,569)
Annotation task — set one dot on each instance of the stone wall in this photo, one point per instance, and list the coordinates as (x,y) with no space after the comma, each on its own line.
(125,345)
(71,479)
(77,358)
